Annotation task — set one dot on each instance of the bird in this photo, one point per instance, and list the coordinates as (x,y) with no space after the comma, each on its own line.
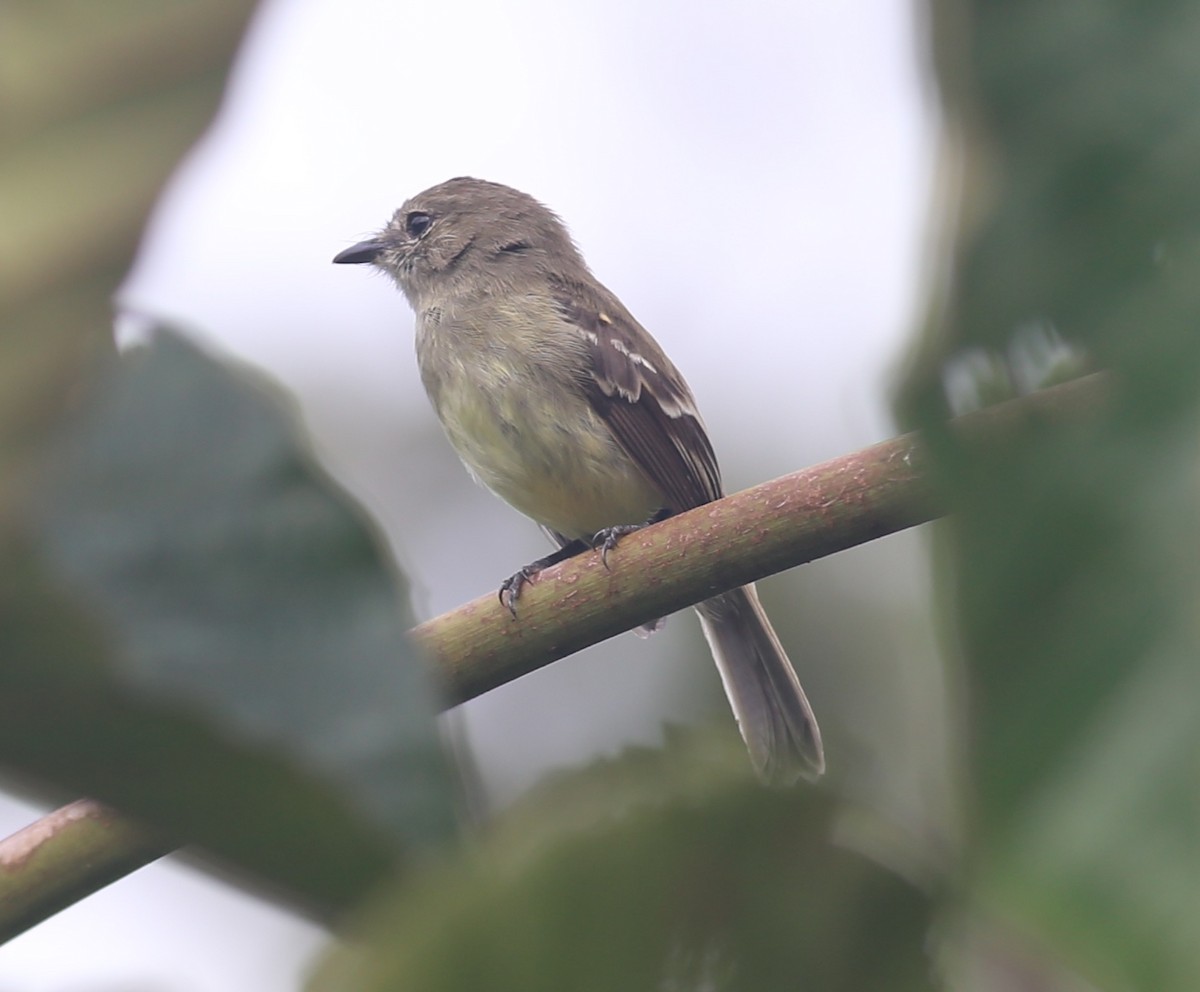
(561,403)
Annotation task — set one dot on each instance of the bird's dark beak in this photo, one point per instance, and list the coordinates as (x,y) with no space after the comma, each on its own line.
(364,251)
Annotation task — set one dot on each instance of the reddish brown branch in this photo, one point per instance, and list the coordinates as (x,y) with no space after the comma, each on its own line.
(772,527)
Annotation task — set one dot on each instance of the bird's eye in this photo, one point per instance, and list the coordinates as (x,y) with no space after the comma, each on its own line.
(417,223)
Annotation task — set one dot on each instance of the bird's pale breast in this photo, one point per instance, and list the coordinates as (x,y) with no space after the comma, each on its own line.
(525,429)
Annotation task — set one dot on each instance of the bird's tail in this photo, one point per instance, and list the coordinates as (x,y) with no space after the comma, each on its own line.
(772,711)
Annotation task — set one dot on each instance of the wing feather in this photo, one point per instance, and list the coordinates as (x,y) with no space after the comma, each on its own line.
(635,389)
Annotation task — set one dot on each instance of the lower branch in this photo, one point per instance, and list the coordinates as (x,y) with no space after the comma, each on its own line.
(65,856)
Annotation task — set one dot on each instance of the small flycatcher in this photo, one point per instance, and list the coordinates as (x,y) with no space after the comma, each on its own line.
(562,404)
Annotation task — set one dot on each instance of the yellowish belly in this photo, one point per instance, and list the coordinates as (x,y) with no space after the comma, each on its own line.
(561,467)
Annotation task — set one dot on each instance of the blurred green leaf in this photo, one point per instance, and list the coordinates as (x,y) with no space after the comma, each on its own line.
(193,623)
(100,100)
(1074,568)
(212,639)
(655,871)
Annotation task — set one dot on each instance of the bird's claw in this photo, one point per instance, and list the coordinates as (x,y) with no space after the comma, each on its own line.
(607,539)
(510,588)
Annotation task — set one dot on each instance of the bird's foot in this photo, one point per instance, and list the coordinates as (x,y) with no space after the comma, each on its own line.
(510,588)
(607,539)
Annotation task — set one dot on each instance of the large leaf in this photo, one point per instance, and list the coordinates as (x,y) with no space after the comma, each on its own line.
(210,636)
(146,621)
(1075,572)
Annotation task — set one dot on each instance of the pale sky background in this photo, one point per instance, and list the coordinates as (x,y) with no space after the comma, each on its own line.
(752,178)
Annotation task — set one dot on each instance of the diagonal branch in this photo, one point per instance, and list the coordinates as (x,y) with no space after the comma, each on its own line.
(788,521)
(780,524)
